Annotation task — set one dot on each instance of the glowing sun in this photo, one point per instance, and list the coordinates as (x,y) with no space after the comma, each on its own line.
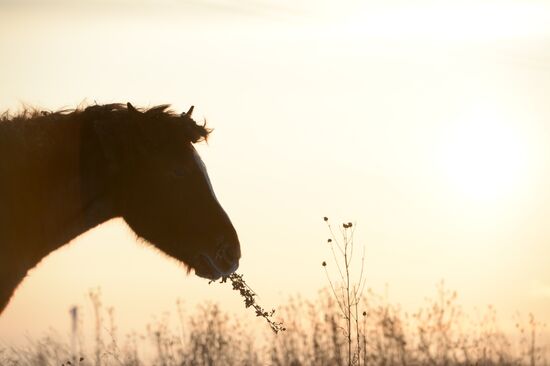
(483,156)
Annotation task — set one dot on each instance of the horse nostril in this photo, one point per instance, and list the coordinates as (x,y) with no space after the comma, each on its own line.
(229,256)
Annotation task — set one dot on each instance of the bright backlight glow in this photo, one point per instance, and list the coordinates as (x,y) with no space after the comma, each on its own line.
(459,21)
(483,156)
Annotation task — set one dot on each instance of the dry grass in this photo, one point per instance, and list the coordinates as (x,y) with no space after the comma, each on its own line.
(344,325)
(249,298)
(439,333)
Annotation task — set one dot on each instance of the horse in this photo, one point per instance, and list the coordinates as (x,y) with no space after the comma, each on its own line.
(63,173)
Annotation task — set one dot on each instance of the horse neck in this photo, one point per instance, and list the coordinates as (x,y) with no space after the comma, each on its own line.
(55,189)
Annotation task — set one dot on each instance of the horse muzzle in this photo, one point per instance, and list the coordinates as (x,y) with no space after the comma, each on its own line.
(223,262)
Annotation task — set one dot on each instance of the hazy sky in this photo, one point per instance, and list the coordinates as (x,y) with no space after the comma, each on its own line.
(426,123)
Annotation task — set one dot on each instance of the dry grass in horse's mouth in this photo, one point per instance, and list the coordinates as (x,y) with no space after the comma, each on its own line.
(249,300)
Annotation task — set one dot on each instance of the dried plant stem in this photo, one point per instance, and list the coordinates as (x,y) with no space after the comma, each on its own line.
(348,291)
(95,297)
(249,295)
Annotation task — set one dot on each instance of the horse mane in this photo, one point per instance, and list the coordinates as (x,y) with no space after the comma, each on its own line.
(195,132)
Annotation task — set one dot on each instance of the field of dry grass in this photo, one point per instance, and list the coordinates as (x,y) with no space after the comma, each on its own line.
(347,324)
(439,333)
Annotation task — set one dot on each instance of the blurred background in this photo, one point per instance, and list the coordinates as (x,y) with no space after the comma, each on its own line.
(426,123)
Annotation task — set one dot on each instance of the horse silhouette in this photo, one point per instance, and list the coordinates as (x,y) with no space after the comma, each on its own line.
(65,172)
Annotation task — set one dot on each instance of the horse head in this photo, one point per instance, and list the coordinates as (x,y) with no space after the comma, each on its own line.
(158,183)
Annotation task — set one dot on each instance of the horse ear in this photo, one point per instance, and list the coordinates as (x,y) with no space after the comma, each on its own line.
(131,108)
(189,112)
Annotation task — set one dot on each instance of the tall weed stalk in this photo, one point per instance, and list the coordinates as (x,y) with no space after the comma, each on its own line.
(347,288)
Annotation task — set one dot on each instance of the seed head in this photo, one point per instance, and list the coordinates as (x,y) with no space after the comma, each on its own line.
(324,264)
